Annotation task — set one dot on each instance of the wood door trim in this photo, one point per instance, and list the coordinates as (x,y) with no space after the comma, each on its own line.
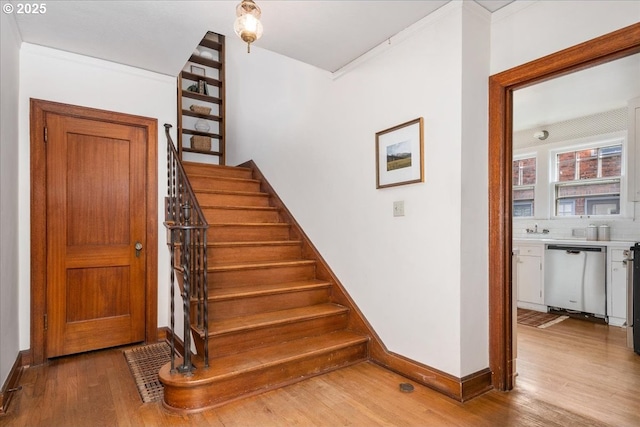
(617,44)
(38,110)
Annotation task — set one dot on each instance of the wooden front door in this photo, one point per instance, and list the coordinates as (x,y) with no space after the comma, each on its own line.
(96,237)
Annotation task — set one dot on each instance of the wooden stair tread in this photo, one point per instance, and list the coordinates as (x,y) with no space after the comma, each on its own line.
(257,243)
(264,320)
(265,357)
(236,207)
(223,178)
(250,224)
(231,192)
(198,165)
(219,294)
(264,264)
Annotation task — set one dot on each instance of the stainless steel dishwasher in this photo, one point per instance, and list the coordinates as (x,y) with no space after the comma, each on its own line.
(575,278)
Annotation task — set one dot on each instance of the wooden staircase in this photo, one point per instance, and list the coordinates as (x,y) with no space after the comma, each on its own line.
(276,314)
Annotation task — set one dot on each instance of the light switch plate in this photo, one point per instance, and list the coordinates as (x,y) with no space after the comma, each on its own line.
(398,208)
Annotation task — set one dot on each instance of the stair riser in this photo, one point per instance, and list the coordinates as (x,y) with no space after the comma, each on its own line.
(231,216)
(219,310)
(214,199)
(212,394)
(260,276)
(240,254)
(239,233)
(215,183)
(240,341)
(209,170)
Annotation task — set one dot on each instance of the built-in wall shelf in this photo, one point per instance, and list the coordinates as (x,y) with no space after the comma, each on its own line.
(201,106)
(201,97)
(195,132)
(206,62)
(195,77)
(201,116)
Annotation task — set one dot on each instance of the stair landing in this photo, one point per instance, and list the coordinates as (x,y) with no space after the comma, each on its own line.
(260,370)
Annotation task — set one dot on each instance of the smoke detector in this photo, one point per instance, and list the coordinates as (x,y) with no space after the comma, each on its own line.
(541,135)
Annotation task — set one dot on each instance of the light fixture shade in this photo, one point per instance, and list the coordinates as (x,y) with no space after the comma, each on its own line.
(247,25)
(248,7)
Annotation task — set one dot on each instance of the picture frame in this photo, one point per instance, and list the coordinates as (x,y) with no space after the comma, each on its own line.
(399,154)
(198,71)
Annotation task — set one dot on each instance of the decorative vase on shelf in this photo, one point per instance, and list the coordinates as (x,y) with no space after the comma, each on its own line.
(202,126)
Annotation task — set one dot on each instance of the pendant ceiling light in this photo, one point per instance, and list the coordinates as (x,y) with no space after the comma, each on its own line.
(248,26)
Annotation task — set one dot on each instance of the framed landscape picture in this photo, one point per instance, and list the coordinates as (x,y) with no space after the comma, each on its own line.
(198,71)
(399,157)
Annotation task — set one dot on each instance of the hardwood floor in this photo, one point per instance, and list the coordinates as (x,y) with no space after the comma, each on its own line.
(574,373)
(585,365)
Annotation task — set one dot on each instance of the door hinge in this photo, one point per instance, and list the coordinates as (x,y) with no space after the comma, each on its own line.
(46,322)
(45,134)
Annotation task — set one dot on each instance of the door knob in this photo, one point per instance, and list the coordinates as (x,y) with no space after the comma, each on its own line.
(138,247)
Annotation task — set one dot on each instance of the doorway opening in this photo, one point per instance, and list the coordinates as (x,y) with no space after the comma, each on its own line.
(603,49)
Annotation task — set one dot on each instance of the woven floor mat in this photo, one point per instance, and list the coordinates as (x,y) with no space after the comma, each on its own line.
(145,363)
(538,319)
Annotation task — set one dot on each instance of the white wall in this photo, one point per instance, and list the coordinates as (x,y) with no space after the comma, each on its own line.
(59,76)
(526,30)
(314,138)
(9,83)
(474,267)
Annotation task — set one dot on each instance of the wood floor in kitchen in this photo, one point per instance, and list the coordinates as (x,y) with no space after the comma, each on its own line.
(575,373)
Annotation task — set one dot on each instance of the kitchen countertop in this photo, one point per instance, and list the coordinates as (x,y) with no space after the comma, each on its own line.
(580,242)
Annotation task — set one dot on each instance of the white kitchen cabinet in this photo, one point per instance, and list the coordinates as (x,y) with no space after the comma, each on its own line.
(617,289)
(530,276)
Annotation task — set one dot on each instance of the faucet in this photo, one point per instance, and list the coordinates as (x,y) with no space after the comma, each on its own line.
(534,230)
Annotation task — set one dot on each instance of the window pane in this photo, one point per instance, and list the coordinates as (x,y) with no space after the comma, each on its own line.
(524,180)
(523,193)
(603,206)
(588,164)
(566,207)
(524,171)
(580,188)
(594,189)
(566,164)
(523,208)
(598,198)
(611,161)
(528,171)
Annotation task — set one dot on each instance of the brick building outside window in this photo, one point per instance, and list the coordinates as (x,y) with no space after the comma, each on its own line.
(524,181)
(588,181)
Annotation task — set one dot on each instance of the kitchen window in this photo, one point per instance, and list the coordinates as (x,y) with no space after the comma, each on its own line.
(588,181)
(524,182)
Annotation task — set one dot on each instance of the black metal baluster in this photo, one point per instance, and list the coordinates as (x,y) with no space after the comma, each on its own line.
(187,230)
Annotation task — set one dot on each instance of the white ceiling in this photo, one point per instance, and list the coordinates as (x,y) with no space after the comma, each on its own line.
(593,90)
(161,35)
